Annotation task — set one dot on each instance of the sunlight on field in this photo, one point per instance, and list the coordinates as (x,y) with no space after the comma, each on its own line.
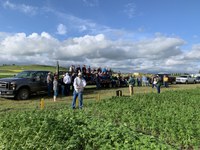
(146,116)
(17,70)
(90,95)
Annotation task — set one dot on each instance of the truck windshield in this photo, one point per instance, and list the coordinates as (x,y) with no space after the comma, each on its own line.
(183,76)
(25,74)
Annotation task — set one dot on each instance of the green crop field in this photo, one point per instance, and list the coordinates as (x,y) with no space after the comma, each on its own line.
(147,120)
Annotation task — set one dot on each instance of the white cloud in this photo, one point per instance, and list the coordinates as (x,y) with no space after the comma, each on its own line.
(130,10)
(159,53)
(82,28)
(194,54)
(20,7)
(61,29)
(22,45)
(85,26)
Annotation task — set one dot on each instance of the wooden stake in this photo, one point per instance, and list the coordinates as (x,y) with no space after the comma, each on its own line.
(98,97)
(42,103)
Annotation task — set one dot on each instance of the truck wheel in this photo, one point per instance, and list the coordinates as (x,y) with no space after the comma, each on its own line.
(23,94)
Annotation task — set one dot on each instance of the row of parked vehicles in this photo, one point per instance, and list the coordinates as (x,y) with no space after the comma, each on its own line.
(30,82)
(187,79)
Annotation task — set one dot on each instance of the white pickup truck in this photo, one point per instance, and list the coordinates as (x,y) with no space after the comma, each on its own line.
(185,79)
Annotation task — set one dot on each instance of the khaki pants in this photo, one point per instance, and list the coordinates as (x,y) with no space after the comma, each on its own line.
(131,89)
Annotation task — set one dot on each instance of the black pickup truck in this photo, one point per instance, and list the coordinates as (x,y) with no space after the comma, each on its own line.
(24,84)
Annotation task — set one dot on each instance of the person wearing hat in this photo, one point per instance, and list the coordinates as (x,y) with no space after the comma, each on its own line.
(79,85)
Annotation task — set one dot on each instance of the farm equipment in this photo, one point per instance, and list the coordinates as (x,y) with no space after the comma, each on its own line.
(105,80)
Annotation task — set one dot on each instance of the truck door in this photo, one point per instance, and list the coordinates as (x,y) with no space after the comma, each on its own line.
(39,83)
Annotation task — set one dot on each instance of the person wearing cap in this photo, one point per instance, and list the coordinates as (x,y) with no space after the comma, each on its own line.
(79,85)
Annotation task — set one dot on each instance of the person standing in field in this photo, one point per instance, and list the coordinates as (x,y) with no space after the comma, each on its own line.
(97,81)
(165,80)
(67,82)
(157,83)
(78,69)
(73,76)
(131,83)
(79,85)
(49,83)
(55,87)
(144,80)
(62,85)
(153,79)
(84,71)
(139,80)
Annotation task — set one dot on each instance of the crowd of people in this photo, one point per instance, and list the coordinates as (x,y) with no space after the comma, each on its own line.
(155,81)
(75,80)
(65,82)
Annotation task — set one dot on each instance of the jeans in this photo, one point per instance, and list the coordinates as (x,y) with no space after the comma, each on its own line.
(49,86)
(63,90)
(55,92)
(158,88)
(165,84)
(67,89)
(80,99)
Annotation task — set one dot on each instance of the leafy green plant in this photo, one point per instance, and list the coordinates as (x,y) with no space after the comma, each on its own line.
(170,120)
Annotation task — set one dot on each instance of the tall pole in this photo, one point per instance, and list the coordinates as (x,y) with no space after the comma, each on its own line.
(57,68)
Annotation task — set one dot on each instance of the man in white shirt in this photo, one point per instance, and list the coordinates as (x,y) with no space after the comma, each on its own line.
(79,85)
(67,82)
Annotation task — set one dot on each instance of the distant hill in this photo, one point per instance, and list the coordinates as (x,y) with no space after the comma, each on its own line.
(10,70)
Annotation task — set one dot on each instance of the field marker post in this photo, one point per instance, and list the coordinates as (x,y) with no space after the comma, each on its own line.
(98,97)
(42,103)
(119,93)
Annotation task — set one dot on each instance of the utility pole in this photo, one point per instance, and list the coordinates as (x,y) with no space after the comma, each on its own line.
(57,68)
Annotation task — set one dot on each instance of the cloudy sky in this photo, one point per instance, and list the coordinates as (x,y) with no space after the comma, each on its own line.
(126,35)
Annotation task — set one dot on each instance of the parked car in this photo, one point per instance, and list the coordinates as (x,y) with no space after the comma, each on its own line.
(197,79)
(185,79)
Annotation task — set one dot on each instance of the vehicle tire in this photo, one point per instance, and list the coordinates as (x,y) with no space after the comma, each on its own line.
(23,94)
